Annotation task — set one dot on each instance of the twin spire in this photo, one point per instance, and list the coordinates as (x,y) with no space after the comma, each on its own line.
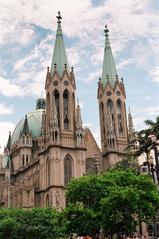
(59,59)
(109,72)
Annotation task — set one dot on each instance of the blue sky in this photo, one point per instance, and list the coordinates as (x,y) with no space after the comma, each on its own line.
(28,30)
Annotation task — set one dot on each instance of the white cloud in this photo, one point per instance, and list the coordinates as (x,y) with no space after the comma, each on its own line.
(124,63)
(155,74)
(10,89)
(6,110)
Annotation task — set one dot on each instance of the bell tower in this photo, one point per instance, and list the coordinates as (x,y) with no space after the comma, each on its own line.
(62,154)
(112,111)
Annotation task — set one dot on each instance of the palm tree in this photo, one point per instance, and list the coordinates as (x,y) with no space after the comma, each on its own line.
(153,126)
(144,144)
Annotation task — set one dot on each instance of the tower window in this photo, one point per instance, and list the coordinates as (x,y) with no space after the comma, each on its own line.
(119,116)
(57,101)
(27,140)
(65,100)
(110,117)
(23,140)
(27,159)
(66,123)
(102,120)
(67,169)
(23,160)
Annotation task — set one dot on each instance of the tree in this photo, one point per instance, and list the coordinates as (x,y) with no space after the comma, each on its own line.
(116,200)
(153,126)
(37,223)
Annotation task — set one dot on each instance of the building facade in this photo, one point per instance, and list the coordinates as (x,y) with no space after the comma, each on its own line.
(49,146)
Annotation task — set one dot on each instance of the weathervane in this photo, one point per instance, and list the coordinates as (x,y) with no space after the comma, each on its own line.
(59,17)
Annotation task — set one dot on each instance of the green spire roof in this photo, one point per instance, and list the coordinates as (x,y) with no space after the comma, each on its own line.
(59,59)
(109,72)
(25,129)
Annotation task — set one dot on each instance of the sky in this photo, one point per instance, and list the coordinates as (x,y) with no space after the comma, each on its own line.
(27,34)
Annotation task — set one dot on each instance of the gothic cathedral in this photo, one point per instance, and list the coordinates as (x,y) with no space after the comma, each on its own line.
(49,146)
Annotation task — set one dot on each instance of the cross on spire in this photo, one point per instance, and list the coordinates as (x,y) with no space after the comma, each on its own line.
(59,17)
(106,31)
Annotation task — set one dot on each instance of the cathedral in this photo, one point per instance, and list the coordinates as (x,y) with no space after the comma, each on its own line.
(50,146)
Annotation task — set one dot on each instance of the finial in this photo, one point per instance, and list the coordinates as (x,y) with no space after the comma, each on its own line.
(55,65)
(65,65)
(59,17)
(9,132)
(122,81)
(99,80)
(107,77)
(72,68)
(47,68)
(106,31)
(25,116)
(117,77)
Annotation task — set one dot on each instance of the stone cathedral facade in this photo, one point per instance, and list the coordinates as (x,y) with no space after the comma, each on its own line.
(49,146)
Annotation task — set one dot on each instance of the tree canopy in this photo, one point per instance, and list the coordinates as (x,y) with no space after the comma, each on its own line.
(116,200)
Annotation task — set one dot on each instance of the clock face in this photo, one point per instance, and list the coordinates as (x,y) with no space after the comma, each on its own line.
(55,83)
(66,82)
(109,93)
(118,93)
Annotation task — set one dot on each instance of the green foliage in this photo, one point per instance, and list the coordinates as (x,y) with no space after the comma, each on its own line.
(37,223)
(81,220)
(113,201)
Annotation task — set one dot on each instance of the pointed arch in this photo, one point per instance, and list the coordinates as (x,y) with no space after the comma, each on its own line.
(68,169)
(48,110)
(110,116)
(66,108)
(56,95)
(102,122)
(119,116)
(66,100)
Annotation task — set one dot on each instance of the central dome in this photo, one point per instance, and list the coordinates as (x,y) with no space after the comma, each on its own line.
(34,123)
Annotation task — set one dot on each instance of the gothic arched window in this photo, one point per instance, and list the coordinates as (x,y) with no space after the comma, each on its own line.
(48,109)
(102,120)
(110,116)
(27,159)
(67,169)
(66,123)
(27,140)
(90,165)
(48,172)
(66,108)
(57,101)
(65,100)
(23,160)
(119,116)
